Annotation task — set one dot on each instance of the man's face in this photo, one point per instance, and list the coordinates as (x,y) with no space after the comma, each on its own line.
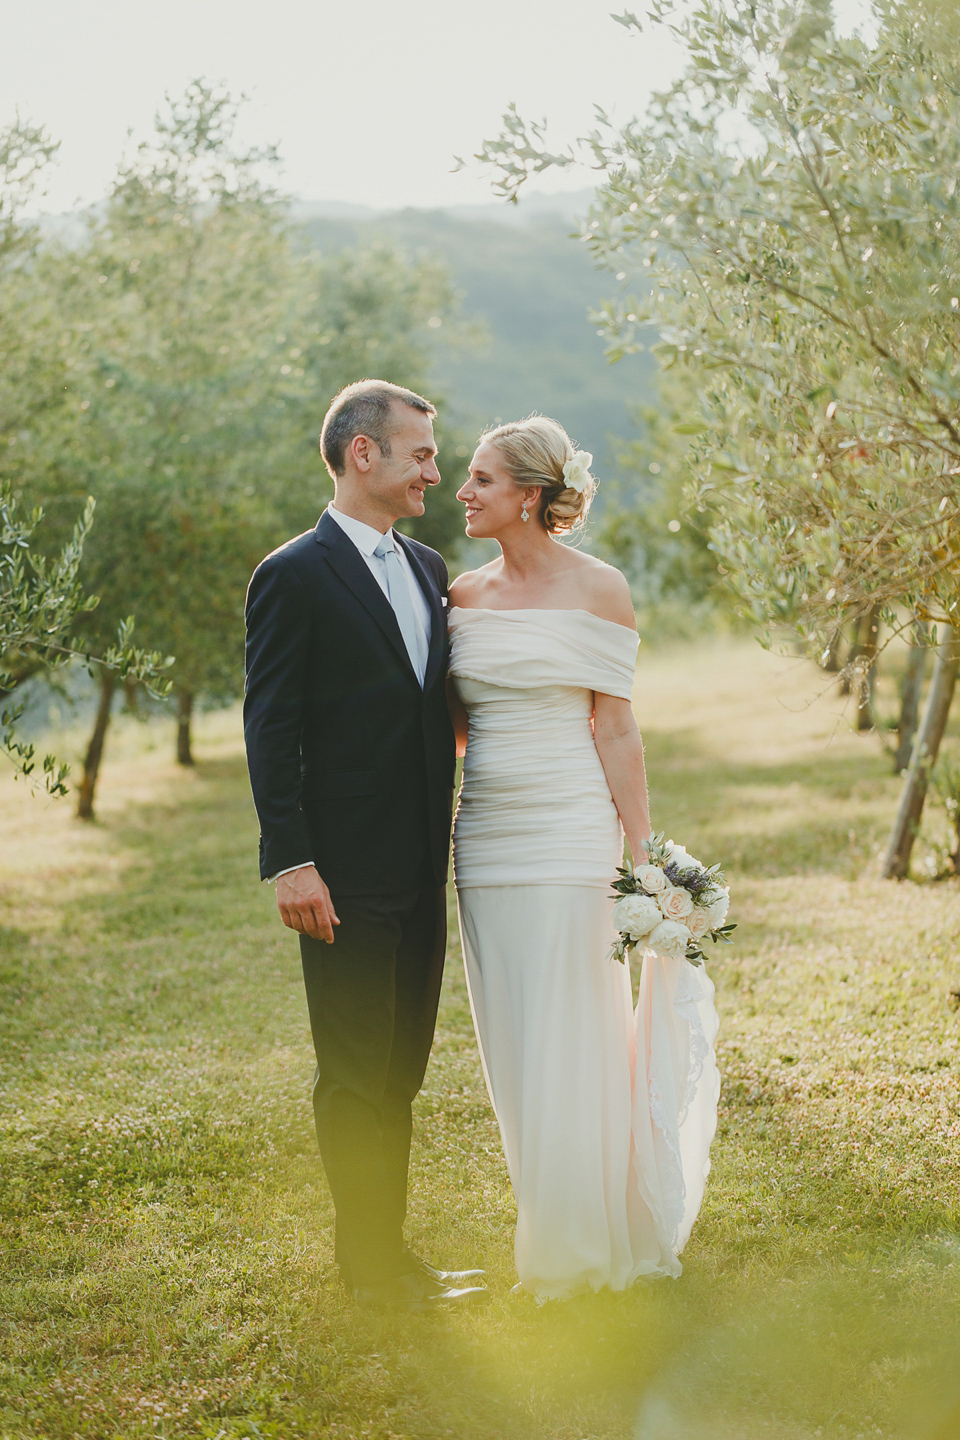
(396,482)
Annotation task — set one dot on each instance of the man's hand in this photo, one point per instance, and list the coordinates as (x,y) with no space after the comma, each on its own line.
(305,905)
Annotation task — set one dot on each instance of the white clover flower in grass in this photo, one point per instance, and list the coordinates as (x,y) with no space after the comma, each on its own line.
(670,939)
(636,916)
(674,902)
(652,878)
(576,472)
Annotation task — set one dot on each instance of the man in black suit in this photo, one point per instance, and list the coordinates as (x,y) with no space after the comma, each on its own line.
(351,757)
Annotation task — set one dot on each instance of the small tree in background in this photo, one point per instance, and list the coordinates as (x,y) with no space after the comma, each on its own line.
(792,204)
(201,343)
(41,599)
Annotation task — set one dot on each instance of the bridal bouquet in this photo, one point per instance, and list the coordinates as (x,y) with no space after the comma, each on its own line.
(670,904)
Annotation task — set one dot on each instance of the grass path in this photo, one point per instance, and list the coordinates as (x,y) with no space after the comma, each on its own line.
(165,1227)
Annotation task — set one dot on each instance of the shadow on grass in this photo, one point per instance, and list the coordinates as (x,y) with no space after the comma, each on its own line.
(174,942)
(815,816)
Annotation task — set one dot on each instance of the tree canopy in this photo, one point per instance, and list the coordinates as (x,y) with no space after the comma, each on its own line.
(176,363)
(791,205)
(42,598)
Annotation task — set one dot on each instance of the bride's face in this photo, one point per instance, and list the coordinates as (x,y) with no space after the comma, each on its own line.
(493,501)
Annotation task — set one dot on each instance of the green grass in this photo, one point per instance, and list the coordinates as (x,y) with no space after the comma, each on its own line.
(165,1226)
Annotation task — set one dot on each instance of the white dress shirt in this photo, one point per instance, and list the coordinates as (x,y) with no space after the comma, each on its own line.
(366,539)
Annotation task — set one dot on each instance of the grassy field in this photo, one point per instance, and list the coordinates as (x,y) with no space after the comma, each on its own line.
(166,1230)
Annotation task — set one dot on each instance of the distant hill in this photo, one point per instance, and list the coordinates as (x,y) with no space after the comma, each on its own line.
(530,285)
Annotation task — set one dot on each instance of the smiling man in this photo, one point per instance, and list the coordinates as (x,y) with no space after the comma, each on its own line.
(351,757)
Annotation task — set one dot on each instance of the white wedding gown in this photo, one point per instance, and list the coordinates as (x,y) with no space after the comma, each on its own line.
(606,1113)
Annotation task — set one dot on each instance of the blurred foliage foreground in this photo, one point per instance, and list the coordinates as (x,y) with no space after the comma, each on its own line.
(165,1224)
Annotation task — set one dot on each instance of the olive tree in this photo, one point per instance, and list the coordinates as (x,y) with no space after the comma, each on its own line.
(792,207)
(205,339)
(42,598)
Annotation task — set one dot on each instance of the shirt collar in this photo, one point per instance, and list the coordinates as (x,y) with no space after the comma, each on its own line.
(365,537)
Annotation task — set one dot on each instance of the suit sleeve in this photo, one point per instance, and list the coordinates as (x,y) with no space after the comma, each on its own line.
(277,655)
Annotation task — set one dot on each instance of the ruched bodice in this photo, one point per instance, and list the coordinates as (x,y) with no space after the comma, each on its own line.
(535,806)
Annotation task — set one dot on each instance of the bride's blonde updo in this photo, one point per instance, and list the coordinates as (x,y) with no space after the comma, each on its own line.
(535,452)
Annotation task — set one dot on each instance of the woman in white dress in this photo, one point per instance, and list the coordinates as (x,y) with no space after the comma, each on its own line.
(606,1112)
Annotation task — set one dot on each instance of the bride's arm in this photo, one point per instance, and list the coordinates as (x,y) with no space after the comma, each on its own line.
(621,755)
(458,717)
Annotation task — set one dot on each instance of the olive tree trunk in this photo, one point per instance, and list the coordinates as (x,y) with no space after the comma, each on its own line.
(831,659)
(910,691)
(864,643)
(867,659)
(94,755)
(926,745)
(184,714)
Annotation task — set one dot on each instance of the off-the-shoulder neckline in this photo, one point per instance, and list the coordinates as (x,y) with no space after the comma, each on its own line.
(535,610)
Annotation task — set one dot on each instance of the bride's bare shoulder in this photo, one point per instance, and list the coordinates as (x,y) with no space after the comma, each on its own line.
(468,589)
(604,591)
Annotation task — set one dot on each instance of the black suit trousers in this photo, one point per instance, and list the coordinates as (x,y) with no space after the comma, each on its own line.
(372,997)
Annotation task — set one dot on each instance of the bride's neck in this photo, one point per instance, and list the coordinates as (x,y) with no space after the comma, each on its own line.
(525,557)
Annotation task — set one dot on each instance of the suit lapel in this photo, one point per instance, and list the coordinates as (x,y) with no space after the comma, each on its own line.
(344,557)
(438,619)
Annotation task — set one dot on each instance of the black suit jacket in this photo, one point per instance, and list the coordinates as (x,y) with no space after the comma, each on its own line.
(351,762)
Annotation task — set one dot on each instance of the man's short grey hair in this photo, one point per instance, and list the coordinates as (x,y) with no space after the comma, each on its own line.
(365,408)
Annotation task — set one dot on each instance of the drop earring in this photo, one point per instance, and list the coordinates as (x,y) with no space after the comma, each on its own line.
(524,515)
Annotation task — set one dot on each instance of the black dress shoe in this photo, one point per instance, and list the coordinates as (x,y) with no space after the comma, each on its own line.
(415,1293)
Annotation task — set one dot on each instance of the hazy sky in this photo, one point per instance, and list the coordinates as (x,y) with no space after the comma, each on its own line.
(368,99)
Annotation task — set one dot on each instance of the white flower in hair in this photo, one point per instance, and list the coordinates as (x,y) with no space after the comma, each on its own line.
(576,471)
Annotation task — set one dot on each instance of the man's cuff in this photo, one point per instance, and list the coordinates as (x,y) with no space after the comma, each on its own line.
(272,879)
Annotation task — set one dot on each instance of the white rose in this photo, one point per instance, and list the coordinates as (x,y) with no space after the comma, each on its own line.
(576,472)
(674,902)
(670,939)
(698,923)
(636,915)
(682,858)
(716,907)
(652,878)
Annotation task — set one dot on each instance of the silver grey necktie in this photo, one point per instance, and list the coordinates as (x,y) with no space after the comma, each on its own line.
(402,603)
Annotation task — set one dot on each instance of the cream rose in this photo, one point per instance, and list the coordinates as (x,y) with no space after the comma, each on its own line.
(652,878)
(670,939)
(674,902)
(698,923)
(636,915)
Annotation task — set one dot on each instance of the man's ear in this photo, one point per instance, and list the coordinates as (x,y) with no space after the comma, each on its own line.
(363,452)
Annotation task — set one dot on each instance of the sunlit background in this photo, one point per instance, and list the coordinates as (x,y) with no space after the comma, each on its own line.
(369,101)
(169,1229)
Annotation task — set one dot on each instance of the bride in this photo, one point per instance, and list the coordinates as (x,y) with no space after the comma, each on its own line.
(606,1112)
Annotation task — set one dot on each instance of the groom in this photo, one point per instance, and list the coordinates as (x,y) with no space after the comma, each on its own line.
(351,758)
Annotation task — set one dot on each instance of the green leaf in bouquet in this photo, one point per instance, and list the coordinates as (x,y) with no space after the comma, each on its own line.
(723,932)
